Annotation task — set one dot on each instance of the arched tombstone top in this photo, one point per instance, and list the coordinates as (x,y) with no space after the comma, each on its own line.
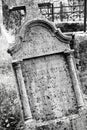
(37,38)
(48,25)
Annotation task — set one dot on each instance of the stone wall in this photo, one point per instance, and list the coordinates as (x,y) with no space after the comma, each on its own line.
(13,19)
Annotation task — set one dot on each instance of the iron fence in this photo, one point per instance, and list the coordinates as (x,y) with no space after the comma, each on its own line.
(62,12)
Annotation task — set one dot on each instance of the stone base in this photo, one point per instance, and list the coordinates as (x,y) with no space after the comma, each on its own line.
(73,122)
(55,125)
(30,124)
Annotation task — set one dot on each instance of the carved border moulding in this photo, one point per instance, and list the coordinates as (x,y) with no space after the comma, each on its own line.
(56,32)
(48,25)
(73,74)
(22,90)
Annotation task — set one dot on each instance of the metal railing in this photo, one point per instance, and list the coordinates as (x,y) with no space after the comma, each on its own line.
(62,12)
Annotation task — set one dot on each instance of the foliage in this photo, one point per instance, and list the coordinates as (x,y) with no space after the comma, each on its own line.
(70,27)
(10,117)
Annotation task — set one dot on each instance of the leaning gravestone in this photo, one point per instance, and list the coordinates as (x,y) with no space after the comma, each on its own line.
(47,81)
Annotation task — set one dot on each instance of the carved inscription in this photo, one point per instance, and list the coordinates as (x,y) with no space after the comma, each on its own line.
(49,87)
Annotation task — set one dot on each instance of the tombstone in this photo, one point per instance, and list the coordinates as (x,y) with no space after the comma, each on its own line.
(47,81)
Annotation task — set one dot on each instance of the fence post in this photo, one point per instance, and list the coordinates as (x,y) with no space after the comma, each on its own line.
(85,11)
(52,12)
(61,11)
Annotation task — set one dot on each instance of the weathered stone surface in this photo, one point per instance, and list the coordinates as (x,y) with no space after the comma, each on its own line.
(30,125)
(37,40)
(49,87)
(22,91)
(45,69)
(56,125)
(46,74)
(47,79)
(80,123)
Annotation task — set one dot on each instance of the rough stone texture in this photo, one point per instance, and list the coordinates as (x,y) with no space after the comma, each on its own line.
(8,81)
(74,122)
(80,123)
(14,19)
(51,104)
(46,76)
(32,10)
(38,41)
(56,125)
(49,87)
